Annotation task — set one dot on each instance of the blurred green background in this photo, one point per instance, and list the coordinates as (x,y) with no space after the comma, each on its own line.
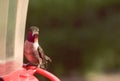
(80,36)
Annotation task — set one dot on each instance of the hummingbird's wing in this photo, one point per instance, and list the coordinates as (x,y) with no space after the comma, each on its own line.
(44,57)
(41,52)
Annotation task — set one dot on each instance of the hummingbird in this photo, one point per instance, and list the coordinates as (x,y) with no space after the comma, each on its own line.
(33,51)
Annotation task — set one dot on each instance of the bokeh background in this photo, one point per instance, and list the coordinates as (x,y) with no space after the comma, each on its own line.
(81,36)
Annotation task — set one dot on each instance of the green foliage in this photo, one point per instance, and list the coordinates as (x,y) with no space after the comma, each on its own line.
(78,34)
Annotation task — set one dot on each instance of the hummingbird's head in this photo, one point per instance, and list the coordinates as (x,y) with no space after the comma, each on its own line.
(33,33)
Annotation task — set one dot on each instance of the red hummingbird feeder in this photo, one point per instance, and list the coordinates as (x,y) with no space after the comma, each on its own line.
(27,74)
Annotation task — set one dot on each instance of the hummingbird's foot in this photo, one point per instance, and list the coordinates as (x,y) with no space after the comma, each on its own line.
(28,66)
